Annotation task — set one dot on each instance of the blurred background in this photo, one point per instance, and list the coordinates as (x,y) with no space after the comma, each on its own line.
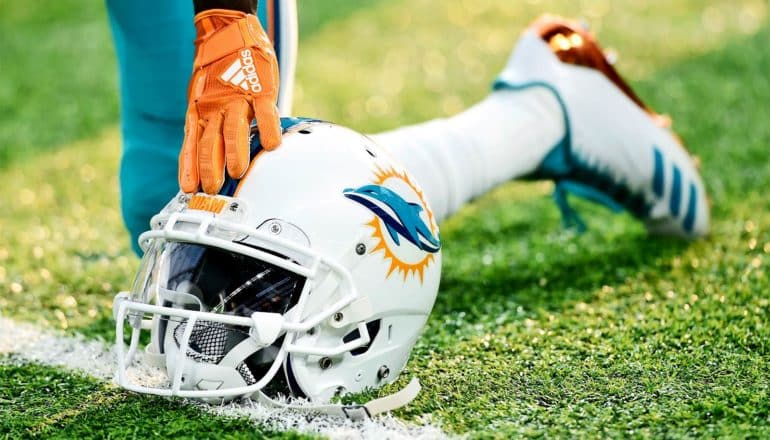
(370,64)
(537,330)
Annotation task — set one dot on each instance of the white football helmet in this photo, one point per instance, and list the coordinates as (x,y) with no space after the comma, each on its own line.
(313,275)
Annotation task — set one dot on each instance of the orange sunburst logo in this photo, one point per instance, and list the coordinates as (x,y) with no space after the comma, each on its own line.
(404,257)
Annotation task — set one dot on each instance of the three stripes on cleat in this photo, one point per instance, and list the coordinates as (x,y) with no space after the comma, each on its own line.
(675,199)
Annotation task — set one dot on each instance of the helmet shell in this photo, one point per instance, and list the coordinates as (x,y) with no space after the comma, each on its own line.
(345,197)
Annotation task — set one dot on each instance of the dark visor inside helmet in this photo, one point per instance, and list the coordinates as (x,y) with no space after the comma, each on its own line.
(227,282)
(223,282)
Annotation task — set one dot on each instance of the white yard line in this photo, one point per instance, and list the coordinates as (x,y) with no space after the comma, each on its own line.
(29,343)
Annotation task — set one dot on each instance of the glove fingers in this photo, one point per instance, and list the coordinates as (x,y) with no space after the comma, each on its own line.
(188,156)
(211,151)
(269,123)
(237,120)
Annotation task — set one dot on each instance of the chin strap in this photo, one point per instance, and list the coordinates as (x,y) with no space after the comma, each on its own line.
(356,411)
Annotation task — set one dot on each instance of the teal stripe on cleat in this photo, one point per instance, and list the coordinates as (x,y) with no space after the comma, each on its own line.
(570,217)
(676,192)
(658,179)
(590,193)
(689,217)
(574,175)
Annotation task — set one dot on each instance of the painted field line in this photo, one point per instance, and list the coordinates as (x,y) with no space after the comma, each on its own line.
(21,342)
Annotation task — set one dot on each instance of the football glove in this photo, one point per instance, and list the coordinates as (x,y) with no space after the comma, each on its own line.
(234,80)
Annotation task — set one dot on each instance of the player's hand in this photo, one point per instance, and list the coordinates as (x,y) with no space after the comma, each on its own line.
(235,80)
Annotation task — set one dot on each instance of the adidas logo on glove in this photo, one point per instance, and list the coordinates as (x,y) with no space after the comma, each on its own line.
(243,74)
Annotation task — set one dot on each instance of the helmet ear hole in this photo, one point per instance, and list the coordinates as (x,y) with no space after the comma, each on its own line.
(373,327)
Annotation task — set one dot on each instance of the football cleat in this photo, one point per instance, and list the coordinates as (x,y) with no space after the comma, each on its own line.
(616,150)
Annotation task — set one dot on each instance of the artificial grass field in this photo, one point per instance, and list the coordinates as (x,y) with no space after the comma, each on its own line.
(537,331)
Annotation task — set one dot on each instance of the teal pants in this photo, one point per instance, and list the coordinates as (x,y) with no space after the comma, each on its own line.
(154,46)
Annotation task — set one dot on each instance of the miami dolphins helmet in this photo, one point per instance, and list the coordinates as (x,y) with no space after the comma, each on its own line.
(311,276)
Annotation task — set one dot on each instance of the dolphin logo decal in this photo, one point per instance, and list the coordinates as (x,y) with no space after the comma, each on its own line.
(402,219)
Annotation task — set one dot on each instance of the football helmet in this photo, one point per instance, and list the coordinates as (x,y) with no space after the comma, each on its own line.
(312,276)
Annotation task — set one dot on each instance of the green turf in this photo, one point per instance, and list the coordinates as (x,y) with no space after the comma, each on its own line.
(43,402)
(57,75)
(537,331)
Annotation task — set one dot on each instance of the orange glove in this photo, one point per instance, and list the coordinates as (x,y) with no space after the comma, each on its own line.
(235,80)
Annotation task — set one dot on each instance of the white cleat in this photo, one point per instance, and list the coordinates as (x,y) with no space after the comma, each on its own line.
(615,151)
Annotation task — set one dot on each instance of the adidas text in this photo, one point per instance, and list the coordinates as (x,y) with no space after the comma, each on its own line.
(242,73)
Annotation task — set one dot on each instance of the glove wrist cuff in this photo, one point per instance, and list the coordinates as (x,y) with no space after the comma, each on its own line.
(222,32)
(210,21)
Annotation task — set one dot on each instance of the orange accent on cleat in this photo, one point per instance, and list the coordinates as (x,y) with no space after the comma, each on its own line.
(573,44)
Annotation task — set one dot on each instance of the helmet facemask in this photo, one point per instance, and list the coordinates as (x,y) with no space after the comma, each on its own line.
(209,279)
(234,306)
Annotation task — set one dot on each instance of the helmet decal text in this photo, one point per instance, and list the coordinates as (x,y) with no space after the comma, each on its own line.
(206,203)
